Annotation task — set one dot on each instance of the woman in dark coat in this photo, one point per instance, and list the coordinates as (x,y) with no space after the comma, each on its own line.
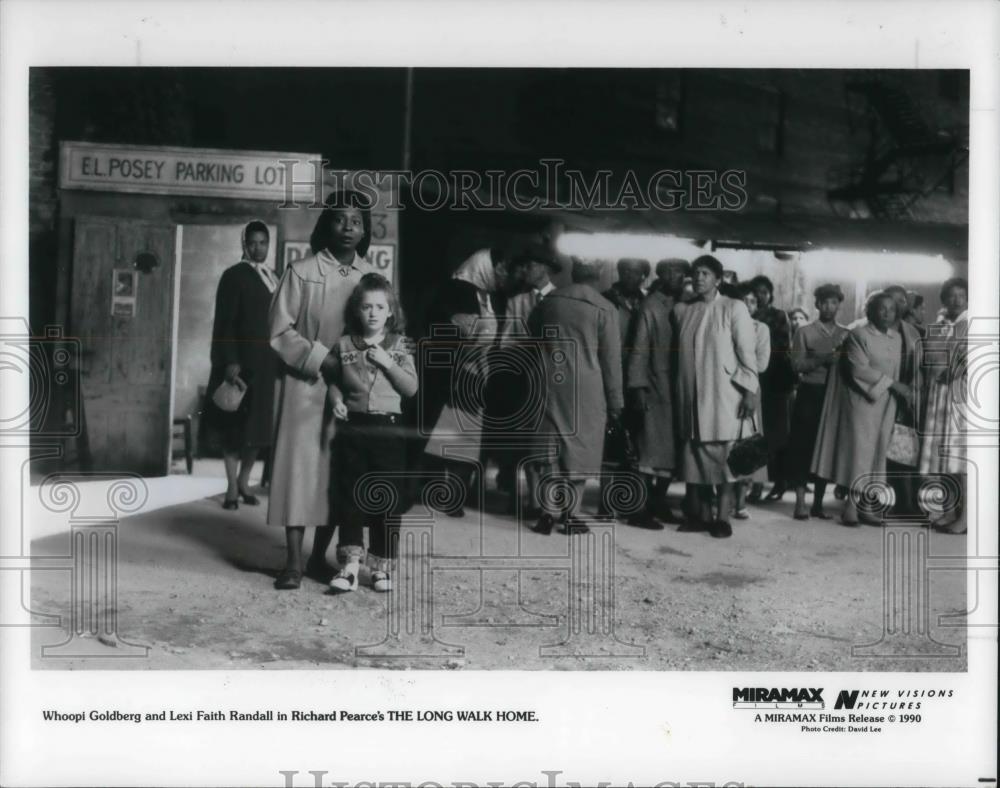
(776,386)
(241,354)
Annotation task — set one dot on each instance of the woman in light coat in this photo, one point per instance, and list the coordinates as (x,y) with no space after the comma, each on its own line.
(762,344)
(942,450)
(717,388)
(307,320)
(859,409)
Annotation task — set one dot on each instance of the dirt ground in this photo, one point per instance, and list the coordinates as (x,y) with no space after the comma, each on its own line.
(195,586)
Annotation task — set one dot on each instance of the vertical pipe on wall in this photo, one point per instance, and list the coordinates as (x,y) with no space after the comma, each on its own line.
(407,117)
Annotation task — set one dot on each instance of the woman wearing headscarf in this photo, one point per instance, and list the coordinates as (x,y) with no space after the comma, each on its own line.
(942,450)
(463,325)
(859,408)
(242,355)
(716,391)
(307,320)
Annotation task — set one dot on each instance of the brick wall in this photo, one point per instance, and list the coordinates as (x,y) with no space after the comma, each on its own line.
(43,156)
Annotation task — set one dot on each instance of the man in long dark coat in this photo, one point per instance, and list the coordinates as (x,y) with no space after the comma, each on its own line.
(582,356)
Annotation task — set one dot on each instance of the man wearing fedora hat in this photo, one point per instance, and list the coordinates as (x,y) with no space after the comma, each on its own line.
(536,264)
(539,265)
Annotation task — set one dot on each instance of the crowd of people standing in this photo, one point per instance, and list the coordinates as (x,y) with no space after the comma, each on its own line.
(685,369)
(697,362)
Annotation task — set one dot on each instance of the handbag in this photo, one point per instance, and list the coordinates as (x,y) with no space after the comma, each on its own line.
(904,447)
(747,454)
(228,396)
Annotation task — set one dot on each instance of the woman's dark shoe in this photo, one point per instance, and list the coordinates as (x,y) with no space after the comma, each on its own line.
(662,512)
(533,513)
(545,524)
(231,504)
(692,526)
(776,494)
(721,529)
(819,514)
(645,520)
(249,499)
(755,493)
(800,514)
(288,580)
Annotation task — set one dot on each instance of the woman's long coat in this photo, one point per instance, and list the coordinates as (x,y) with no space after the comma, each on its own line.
(307,319)
(858,410)
(945,423)
(777,383)
(583,373)
(717,362)
(241,335)
(650,366)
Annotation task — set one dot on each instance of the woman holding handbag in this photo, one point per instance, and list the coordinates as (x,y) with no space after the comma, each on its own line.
(717,390)
(762,343)
(858,429)
(241,385)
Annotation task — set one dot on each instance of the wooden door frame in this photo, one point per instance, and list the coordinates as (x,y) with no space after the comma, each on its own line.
(117,221)
(175,303)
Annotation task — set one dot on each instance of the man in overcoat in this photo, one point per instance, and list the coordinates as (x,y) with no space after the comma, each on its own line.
(581,348)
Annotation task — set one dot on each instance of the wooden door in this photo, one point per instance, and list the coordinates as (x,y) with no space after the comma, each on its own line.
(123,317)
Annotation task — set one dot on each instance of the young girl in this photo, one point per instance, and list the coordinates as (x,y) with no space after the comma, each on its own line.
(374,370)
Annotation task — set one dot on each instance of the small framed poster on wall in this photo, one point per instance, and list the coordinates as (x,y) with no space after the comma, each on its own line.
(124,285)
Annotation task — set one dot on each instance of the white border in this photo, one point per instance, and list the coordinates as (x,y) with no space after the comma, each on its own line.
(618,727)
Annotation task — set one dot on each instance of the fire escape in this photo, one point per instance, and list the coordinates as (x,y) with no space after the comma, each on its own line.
(905,161)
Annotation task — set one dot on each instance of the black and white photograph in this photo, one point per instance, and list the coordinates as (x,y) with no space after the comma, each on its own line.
(447,372)
(707,324)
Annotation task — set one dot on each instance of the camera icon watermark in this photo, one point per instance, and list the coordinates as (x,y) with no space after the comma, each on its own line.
(465,361)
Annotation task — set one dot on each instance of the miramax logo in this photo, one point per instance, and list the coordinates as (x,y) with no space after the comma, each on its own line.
(778,698)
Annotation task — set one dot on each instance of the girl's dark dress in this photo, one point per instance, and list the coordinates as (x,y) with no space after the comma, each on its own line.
(241,335)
